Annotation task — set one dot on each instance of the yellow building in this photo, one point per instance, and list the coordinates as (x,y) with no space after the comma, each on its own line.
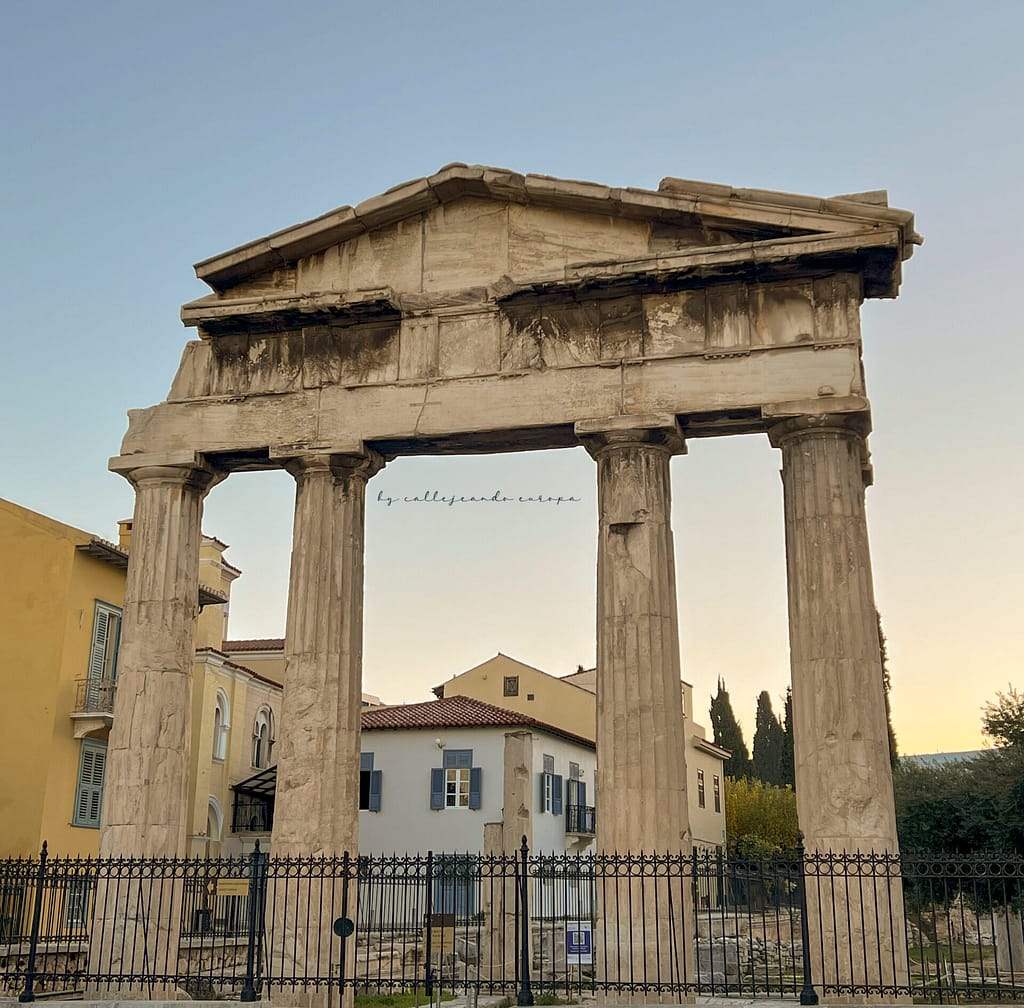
(61,604)
(570,703)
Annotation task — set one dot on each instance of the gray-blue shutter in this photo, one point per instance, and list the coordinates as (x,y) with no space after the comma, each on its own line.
(375,787)
(581,792)
(366,761)
(89,792)
(437,788)
(457,759)
(556,794)
(475,777)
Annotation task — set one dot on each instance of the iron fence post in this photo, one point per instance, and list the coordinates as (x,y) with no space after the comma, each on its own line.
(428,974)
(249,988)
(807,993)
(525,996)
(33,943)
(343,935)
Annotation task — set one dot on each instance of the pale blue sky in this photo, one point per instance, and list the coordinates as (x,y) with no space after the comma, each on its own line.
(139,138)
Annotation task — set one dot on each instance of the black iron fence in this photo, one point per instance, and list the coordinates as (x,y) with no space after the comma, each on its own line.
(937,927)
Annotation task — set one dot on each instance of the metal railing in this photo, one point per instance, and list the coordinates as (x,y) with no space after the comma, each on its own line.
(94,696)
(580,819)
(251,814)
(811,925)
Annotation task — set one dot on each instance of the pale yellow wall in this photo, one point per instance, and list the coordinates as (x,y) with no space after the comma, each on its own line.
(213,776)
(554,702)
(269,664)
(215,573)
(46,617)
(571,704)
(47,606)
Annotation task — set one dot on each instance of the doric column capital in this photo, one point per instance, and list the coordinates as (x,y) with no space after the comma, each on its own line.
(852,426)
(189,470)
(655,430)
(342,462)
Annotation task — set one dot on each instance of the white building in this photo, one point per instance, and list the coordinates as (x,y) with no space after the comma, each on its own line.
(433,774)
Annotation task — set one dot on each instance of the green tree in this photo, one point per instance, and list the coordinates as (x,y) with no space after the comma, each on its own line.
(769,742)
(788,766)
(883,656)
(760,819)
(966,807)
(728,734)
(1003,719)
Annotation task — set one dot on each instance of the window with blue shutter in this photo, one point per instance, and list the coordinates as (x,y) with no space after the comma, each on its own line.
(456,783)
(437,789)
(89,792)
(102,671)
(370,784)
(551,787)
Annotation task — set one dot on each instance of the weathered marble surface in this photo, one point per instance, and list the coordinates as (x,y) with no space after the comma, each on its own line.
(841,749)
(641,767)
(483,310)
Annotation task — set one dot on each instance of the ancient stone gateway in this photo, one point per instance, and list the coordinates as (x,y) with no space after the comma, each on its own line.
(479,310)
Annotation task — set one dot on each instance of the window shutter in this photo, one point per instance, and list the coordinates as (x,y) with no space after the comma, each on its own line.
(475,775)
(581,790)
(366,761)
(437,788)
(540,795)
(556,794)
(98,648)
(375,788)
(89,792)
(457,759)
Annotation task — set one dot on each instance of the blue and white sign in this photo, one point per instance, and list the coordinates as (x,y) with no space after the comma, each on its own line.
(579,943)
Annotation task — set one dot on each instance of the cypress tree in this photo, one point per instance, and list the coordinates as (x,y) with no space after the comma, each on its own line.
(728,734)
(788,768)
(883,655)
(769,736)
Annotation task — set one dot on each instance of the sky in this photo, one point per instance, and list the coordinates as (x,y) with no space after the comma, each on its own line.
(140,138)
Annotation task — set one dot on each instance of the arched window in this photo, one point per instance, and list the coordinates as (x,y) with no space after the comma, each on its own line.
(221,726)
(262,738)
(214,820)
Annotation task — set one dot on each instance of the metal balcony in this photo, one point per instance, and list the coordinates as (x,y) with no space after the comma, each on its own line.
(580,819)
(93,707)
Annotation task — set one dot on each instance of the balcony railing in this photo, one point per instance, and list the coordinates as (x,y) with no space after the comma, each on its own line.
(94,696)
(252,815)
(580,819)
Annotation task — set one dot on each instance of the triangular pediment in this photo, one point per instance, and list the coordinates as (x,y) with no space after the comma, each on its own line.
(470,228)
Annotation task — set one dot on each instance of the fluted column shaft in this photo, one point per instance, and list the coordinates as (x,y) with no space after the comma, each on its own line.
(841,747)
(644,932)
(146,780)
(640,724)
(317,804)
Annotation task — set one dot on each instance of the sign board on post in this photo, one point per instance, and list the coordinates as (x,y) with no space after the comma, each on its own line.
(579,943)
(442,932)
(232,887)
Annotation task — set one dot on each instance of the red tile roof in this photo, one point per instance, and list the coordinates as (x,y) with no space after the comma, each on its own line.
(265,644)
(458,712)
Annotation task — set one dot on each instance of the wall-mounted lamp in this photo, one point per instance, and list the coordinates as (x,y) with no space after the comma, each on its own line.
(439,743)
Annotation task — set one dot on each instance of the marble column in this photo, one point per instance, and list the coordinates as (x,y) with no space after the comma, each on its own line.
(841,749)
(316,810)
(146,778)
(644,942)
